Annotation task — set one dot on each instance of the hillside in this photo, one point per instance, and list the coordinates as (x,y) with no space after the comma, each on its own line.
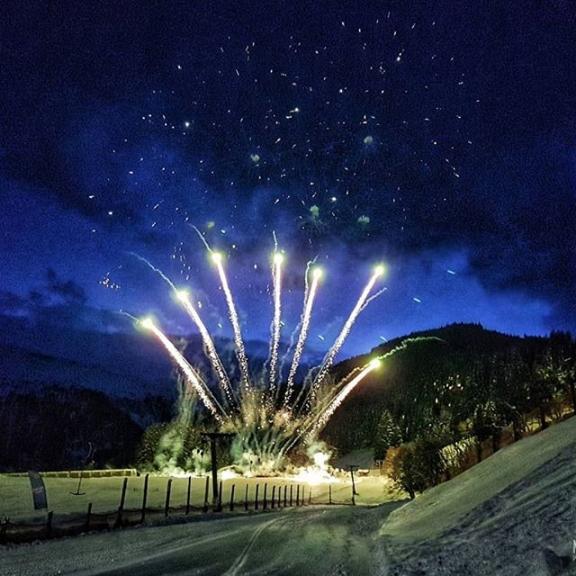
(448,376)
(512,515)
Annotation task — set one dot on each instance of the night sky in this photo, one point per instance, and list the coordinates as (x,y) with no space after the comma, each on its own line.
(438,137)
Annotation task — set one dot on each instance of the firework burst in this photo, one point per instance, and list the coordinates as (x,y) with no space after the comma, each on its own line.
(268,423)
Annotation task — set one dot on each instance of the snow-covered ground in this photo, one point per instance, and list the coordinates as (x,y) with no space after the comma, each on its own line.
(512,514)
(104,493)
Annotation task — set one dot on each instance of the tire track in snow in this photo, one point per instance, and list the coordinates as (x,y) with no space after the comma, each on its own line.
(169,550)
(234,570)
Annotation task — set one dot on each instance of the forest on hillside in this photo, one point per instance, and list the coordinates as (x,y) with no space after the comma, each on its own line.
(454,384)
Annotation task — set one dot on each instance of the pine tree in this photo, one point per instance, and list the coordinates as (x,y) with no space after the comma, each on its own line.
(388,434)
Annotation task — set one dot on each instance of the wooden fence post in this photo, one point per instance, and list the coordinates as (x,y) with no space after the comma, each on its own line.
(298,495)
(285,491)
(206,487)
(167,504)
(273,500)
(232,497)
(122,502)
(219,502)
(188,495)
(144,499)
(310,496)
(265,504)
(49,520)
(246,499)
(256,498)
(290,495)
(88,514)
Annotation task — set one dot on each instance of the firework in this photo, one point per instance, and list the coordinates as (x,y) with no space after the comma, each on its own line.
(276,321)
(309,298)
(209,347)
(234,320)
(192,377)
(266,423)
(360,305)
(326,414)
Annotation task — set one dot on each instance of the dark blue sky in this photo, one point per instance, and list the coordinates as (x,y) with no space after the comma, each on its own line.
(436,136)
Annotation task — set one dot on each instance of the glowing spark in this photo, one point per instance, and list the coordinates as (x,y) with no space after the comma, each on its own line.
(276,321)
(341,396)
(191,375)
(306,315)
(234,320)
(329,358)
(211,352)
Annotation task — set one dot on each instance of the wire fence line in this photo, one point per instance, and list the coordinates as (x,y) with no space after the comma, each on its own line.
(266,497)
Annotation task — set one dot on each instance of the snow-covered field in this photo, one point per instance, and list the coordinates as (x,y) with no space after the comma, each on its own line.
(512,514)
(104,493)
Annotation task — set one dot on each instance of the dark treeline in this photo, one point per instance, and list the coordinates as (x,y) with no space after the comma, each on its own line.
(68,428)
(464,383)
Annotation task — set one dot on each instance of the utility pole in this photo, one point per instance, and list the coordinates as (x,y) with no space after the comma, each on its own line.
(353,467)
(214,438)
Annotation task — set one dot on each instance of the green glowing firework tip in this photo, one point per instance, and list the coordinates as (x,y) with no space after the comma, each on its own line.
(380,270)
(147,323)
(217,257)
(182,295)
(318,272)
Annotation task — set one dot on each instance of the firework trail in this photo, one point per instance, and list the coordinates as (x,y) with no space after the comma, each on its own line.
(309,297)
(153,268)
(276,321)
(294,334)
(360,304)
(206,338)
(191,375)
(235,321)
(325,415)
(210,349)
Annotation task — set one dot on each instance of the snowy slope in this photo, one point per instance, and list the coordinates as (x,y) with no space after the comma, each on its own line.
(514,513)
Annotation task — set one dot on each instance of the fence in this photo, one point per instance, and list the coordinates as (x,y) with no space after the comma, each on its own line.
(262,496)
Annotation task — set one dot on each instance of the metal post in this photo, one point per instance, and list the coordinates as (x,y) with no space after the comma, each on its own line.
(246,498)
(273,501)
(265,505)
(285,491)
(298,495)
(256,498)
(290,495)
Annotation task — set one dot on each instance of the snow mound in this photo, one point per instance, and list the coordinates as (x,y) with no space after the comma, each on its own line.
(514,513)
